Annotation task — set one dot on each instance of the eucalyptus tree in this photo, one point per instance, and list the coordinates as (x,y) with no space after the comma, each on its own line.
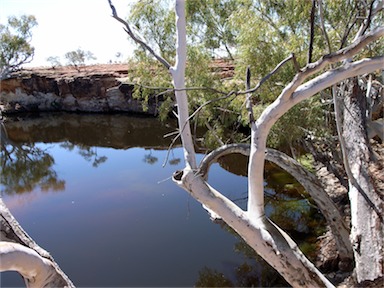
(15,43)
(301,82)
(356,55)
(78,57)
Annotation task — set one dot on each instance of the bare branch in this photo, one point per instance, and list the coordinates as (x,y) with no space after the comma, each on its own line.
(249,95)
(36,270)
(321,15)
(331,58)
(334,76)
(170,147)
(265,78)
(295,63)
(367,21)
(296,92)
(214,134)
(213,157)
(145,46)
(178,77)
(312,31)
(27,258)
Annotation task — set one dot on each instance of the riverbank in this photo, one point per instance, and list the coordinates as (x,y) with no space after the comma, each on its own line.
(94,88)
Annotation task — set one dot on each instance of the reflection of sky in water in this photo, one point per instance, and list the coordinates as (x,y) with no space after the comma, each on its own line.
(124,223)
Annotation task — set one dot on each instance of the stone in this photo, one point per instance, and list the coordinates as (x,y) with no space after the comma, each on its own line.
(97,88)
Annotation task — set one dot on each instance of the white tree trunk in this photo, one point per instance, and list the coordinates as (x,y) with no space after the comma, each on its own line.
(310,183)
(260,233)
(269,241)
(178,77)
(367,231)
(36,270)
(18,252)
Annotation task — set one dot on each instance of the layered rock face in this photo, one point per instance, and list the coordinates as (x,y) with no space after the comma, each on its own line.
(88,89)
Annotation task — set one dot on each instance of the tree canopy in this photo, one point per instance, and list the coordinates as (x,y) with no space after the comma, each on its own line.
(245,33)
(15,47)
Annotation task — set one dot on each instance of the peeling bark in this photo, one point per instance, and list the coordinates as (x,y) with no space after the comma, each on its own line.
(367,231)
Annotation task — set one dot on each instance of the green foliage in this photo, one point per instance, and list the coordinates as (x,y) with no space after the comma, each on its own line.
(259,34)
(210,23)
(15,47)
(78,57)
(307,161)
(150,78)
(156,23)
(54,60)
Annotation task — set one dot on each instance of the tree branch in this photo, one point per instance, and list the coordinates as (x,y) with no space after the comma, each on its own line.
(309,181)
(36,270)
(321,15)
(34,263)
(296,92)
(249,95)
(266,77)
(269,241)
(145,46)
(178,77)
(312,31)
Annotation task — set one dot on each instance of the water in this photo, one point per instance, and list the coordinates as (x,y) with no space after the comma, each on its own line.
(92,190)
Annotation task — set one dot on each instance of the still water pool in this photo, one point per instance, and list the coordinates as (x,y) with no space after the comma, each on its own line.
(93,190)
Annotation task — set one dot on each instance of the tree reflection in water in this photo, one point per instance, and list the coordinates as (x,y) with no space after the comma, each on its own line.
(87,152)
(26,167)
(254,272)
(288,205)
(149,158)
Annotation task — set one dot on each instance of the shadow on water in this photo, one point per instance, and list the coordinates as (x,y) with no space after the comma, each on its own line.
(27,166)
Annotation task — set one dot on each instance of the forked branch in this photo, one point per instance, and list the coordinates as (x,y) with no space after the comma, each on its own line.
(309,181)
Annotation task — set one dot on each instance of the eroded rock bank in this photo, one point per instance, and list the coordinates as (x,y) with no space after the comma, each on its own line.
(95,88)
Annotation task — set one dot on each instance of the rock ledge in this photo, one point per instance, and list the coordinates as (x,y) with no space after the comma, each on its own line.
(95,88)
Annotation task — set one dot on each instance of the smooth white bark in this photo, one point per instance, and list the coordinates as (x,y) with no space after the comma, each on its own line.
(34,263)
(293,94)
(309,181)
(178,77)
(36,270)
(270,242)
(266,238)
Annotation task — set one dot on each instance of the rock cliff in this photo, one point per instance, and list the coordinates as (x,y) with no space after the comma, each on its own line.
(94,88)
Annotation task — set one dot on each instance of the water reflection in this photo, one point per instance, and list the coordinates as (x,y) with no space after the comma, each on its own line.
(25,167)
(88,153)
(118,131)
(253,272)
(119,202)
(286,201)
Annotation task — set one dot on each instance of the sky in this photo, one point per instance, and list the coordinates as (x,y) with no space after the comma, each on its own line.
(66,25)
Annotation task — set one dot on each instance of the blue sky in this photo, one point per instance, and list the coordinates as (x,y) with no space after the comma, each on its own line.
(65,25)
